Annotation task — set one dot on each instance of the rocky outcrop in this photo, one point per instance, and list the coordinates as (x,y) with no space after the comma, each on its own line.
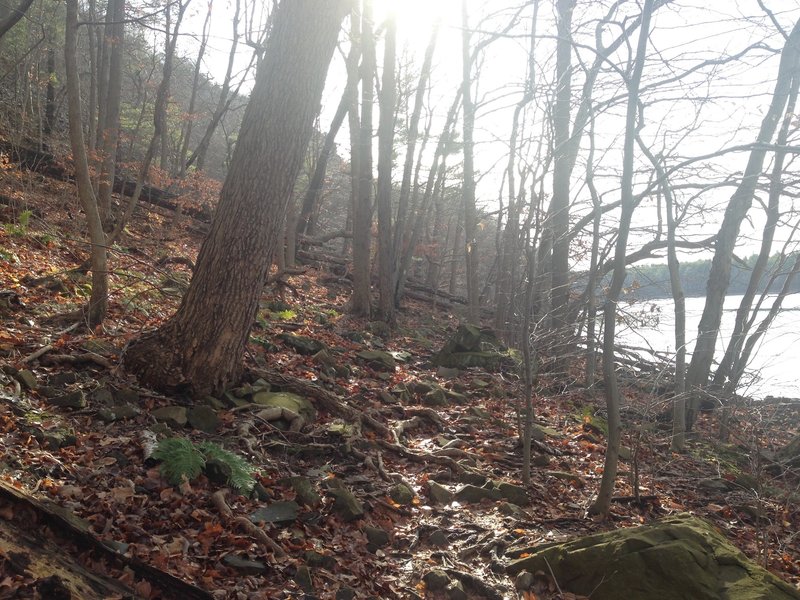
(678,558)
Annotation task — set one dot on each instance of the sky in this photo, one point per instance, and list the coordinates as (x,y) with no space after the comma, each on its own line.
(683,33)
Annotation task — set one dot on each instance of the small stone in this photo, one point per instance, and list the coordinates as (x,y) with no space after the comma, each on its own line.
(625,453)
(214,403)
(439,538)
(102,395)
(436,580)
(306,492)
(473,478)
(402,494)
(244,565)
(277,512)
(447,372)
(455,591)
(514,493)
(174,416)
(63,378)
(303,579)
(101,347)
(377,537)
(511,510)
(345,593)
(715,484)
(76,399)
(48,391)
(27,378)
(524,581)
(203,418)
(436,397)
(316,559)
(55,439)
(439,494)
(117,413)
(540,460)
(261,493)
(302,344)
(126,396)
(346,504)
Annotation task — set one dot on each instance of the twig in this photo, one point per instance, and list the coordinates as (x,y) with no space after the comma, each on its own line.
(34,355)
(218,500)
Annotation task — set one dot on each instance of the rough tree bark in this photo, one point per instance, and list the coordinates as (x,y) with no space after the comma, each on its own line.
(14,16)
(200,348)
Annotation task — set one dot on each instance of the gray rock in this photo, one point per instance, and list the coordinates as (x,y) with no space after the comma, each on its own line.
(54,439)
(436,397)
(306,492)
(316,560)
(346,505)
(473,478)
(512,510)
(103,395)
(439,538)
(439,494)
(524,581)
(345,593)
(174,416)
(514,494)
(715,484)
(119,412)
(48,391)
(303,578)
(277,512)
(472,494)
(436,580)
(377,537)
(63,378)
(126,396)
(302,344)
(76,399)
(244,565)
(378,360)
(447,372)
(625,453)
(101,347)
(456,591)
(27,378)
(402,494)
(203,418)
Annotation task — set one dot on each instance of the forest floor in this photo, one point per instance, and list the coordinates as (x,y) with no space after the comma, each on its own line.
(62,448)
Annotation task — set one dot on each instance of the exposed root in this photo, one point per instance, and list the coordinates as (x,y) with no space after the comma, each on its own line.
(253,530)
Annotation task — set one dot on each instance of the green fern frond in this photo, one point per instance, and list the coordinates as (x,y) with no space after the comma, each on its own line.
(241,478)
(180,459)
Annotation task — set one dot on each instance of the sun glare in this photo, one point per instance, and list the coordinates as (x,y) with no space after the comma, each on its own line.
(415,18)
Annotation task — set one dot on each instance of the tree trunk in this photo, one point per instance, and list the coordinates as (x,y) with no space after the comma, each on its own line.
(110,128)
(14,16)
(98,302)
(468,185)
(362,210)
(602,504)
(559,209)
(200,348)
(736,211)
(388,98)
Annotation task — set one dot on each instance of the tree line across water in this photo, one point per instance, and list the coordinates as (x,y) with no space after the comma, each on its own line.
(650,282)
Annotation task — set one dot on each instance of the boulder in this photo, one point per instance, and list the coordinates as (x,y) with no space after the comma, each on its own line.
(75,399)
(514,494)
(678,557)
(401,494)
(277,512)
(471,346)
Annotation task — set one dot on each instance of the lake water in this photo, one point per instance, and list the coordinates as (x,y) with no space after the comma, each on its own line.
(775,362)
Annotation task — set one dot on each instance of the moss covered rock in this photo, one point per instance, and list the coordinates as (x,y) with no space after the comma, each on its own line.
(677,558)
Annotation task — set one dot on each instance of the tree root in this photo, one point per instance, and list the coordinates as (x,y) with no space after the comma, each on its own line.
(253,530)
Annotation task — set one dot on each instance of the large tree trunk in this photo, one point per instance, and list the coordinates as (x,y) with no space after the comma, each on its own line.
(98,302)
(200,348)
(739,205)
(14,15)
